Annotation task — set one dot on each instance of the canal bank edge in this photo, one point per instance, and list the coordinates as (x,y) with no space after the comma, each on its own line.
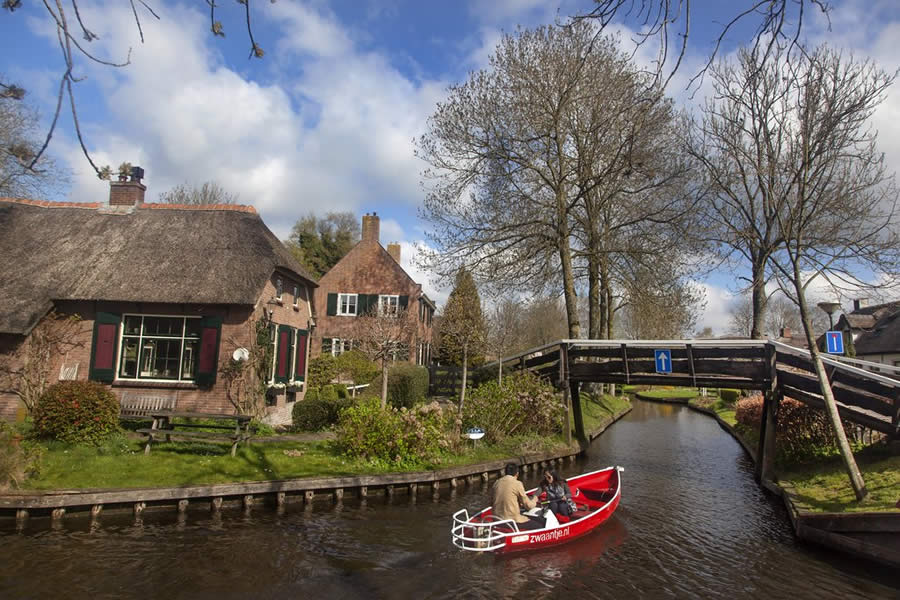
(56,503)
(853,533)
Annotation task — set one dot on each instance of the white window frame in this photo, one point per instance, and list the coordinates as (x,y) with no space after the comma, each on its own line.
(273,341)
(279,288)
(296,296)
(391,301)
(140,348)
(340,345)
(340,304)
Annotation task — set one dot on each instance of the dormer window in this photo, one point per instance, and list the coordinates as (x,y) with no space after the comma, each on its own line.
(296,296)
(279,288)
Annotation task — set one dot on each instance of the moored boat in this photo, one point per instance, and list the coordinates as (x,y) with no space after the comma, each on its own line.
(596,495)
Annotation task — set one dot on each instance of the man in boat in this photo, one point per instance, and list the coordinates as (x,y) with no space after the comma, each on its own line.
(509,496)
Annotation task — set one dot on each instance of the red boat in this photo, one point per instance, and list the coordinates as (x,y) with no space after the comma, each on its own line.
(596,497)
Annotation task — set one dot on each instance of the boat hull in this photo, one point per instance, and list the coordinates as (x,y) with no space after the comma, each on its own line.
(597,495)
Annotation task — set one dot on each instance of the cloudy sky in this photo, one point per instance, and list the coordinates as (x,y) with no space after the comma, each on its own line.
(325,121)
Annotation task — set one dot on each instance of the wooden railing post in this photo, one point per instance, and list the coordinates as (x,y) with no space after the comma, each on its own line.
(772,395)
(568,399)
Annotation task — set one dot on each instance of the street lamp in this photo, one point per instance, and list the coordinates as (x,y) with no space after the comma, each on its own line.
(830,308)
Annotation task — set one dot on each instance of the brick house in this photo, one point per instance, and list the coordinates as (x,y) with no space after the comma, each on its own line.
(368,278)
(166,296)
(875,331)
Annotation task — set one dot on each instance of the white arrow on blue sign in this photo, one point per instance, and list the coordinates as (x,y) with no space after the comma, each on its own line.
(834,342)
(663,361)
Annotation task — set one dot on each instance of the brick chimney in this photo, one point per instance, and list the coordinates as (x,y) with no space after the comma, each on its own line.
(859,303)
(394,250)
(127,191)
(785,332)
(370,225)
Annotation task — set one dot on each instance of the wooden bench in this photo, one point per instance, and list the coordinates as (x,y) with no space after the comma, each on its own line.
(164,425)
(143,404)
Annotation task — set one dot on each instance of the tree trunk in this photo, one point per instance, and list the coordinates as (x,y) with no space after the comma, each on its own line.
(565,259)
(500,371)
(856,479)
(758,297)
(462,391)
(596,306)
(384,382)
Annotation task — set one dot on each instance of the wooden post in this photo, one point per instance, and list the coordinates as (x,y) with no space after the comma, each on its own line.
(308,496)
(96,510)
(435,487)
(280,499)
(216,504)
(563,384)
(182,505)
(248,501)
(389,491)
(363,491)
(138,508)
(580,435)
(338,494)
(765,452)
(412,489)
(21,514)
(453,483)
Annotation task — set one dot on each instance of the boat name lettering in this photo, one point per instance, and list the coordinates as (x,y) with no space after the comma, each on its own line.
(549,536)
(519,538)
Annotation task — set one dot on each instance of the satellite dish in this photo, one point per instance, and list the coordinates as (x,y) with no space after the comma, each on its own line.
(475,433)
(241,354)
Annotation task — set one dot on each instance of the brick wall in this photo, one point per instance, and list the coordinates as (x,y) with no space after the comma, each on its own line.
(235,333)
(366,269)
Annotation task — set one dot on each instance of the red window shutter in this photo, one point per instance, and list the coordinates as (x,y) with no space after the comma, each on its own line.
(300,365)
(283,358)
(208,361)
(103,347)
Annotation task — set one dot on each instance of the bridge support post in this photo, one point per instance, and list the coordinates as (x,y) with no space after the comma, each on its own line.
(568,398)
(576,412)
(772,395)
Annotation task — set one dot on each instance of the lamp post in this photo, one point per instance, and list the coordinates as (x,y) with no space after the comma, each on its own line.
(830,308)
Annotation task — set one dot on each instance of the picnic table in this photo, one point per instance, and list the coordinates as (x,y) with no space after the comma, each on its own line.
(233,428)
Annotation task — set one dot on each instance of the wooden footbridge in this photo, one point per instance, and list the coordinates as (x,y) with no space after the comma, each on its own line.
(869,399)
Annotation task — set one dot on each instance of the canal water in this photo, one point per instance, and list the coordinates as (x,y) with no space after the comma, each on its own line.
(691,524)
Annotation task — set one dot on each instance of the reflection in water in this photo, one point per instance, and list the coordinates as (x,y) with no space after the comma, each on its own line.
(691,524)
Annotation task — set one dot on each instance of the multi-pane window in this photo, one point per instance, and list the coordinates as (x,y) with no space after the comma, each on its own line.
(157,347)
(347,304)
(339,346)
(388,305)
(296,295)
(279,288)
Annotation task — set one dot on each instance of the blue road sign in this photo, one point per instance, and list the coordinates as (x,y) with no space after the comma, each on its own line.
(834,341)
(663,361)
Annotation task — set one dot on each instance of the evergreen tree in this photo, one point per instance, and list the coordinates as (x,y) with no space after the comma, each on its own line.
(318,244)
(462,327)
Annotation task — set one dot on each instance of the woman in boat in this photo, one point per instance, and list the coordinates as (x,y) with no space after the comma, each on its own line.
(558,496)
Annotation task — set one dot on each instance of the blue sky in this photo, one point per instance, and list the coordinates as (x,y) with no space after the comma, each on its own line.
(326,120)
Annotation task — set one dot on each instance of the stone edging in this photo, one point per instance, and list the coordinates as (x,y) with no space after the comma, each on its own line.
(57,502)
(834,530)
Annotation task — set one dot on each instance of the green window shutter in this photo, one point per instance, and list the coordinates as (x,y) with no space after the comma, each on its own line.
(331,308)
(372,300)
(362,304)
(104,346)
(403,302)
(326,345)
(208,361)
(300,362)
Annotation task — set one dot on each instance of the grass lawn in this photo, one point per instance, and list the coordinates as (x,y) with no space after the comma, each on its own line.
(823,485)
(667,394)
(597,411)
(122,463)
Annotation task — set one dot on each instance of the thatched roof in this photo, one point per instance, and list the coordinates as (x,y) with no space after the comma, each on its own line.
(148,253)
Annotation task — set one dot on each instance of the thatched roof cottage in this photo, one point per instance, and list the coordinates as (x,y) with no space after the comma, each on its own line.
(166,295)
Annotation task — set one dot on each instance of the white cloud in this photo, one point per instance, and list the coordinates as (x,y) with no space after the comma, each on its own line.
(716,315)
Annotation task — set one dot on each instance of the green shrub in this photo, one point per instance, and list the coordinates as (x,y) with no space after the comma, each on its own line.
(322,370)
(311,414)
(407,385)
(521,405)
(729,396)
(341,390)
(355,366)
(328,394)
(261,429)
(18,458)
(802,432)
(392,436)
(77,412)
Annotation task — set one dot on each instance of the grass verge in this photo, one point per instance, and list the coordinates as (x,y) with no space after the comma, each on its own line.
(823,485)
(121,462)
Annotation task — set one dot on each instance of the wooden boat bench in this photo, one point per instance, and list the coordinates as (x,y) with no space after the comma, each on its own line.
(165,425)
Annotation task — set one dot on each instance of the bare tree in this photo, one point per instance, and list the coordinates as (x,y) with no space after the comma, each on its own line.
(25,371)
(19,143)
(660,307)
(503,325)
(74,36)
(740,316)
(809,155)
(666,25)
(209,192)
(384,337)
